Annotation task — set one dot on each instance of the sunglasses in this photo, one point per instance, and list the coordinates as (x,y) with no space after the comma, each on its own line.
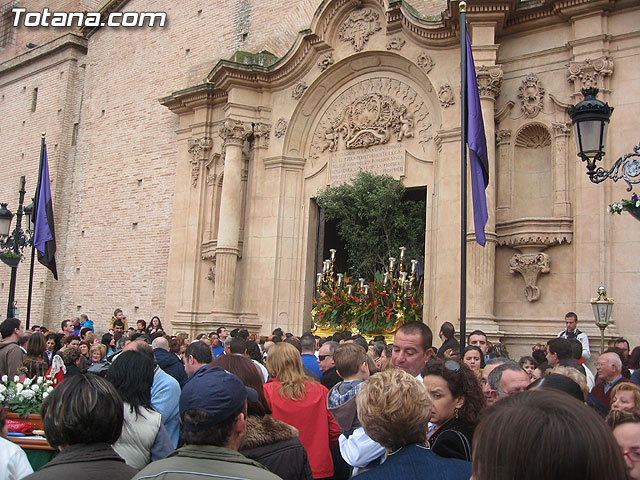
(323,357)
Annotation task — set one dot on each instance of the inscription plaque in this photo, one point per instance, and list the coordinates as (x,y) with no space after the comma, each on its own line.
(386,159)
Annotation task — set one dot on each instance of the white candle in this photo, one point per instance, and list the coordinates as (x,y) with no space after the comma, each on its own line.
(361,280)
(319,278)
(386,278)
(333,254)
(349,289)
(402,250)
(366,289)
(392,262)
(340,275)
(404,276)
(413,265)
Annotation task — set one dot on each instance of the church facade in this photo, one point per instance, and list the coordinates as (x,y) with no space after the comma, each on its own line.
(185,159)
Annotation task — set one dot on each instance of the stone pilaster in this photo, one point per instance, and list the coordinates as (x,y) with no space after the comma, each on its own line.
(561,204)
(234,133)
(481,266)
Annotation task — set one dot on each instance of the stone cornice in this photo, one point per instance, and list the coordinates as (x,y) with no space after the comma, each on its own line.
(68,41)
(534,232)
(186,100)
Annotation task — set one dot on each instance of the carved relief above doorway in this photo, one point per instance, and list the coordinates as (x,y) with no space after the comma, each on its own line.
(372,112)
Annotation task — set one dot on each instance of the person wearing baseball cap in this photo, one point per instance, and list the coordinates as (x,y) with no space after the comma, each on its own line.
(213,410)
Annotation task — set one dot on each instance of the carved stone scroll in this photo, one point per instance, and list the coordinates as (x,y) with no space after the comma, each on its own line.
(357,29)
(234,132)
(530,265)
(425,62)
(261,132)
(299,89)
(198,149)
(395,43)
(531,93)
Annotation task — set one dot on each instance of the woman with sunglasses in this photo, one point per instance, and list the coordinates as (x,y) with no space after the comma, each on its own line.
(457,403)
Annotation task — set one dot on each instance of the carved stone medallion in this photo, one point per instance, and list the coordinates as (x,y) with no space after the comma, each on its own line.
(530,94)
(281,128)
(425,62)
(446,96)
(357,29)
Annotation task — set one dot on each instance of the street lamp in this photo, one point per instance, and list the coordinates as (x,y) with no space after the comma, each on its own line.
(590,119)
(602,306)
(12,245)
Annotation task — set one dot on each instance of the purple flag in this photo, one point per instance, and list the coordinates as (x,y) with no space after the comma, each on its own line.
(44,236)
(477,143)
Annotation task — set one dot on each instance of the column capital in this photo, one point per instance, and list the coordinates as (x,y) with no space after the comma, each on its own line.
(561,129)
(235,132)
(489,81)
(503,137)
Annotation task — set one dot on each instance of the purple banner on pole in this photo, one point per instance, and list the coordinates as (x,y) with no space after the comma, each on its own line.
(477,143)
(44,236)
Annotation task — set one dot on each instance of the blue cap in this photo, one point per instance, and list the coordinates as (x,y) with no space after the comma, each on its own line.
(217,392)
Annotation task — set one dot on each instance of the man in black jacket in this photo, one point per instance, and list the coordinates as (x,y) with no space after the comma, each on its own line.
(168,361)
(447,332)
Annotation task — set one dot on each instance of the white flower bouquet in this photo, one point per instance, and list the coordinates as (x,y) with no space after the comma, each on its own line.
(25,396)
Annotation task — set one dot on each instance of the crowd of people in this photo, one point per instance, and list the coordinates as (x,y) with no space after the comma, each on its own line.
(137,402)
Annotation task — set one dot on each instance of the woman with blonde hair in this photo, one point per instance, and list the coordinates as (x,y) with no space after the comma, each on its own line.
(301,402)
(625,396)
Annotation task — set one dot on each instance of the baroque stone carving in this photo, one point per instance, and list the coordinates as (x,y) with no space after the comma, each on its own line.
(235,132)
(325,61)
(261,132)
(531,93)
(446,96)
(299,89)
(281,128)
(357,29)
(503,137)
(533,136)
(530,265)
(370,113)
(198,150)
(561,129)
(425,62)
(489,81)
(590,73)
(369,120)
(395,43)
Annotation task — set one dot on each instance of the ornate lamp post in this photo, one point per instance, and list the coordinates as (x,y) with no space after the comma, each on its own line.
(12,245)
(602,306)
(591,120)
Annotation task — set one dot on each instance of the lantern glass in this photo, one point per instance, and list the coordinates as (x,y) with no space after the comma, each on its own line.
(5,220)
(591,135)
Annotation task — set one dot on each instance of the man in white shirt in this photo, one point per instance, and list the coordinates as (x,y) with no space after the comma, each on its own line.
(571,322)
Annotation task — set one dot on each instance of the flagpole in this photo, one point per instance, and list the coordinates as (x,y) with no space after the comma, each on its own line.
(463,173)
(33,248)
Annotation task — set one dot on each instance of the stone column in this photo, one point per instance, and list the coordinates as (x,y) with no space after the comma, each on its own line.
(234,133)
(481,266)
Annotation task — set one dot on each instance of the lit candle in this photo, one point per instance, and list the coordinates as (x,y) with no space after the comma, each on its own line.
(402,250)
(361,280)
(319,279)
(333,253)
(392,262)
(340,275)
(386,278)
(349,290)
(413,265)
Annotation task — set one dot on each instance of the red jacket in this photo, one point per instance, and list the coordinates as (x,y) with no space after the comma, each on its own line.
(318,430)
(598,392)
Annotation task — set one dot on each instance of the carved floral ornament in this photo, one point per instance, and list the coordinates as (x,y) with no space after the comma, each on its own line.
(235,132)
(371,113)
(530,94)
(198,149)
(358,27)
(299,89)
(395,43)
(489,82)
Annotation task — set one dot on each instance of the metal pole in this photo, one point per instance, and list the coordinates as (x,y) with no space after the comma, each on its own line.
(17,234)
(463,174)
